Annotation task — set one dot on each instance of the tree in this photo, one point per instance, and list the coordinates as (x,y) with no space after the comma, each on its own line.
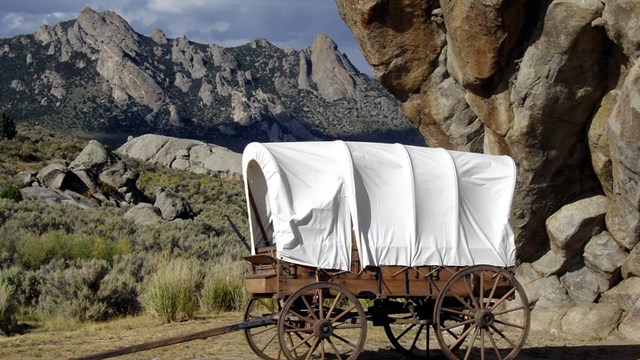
(7,126)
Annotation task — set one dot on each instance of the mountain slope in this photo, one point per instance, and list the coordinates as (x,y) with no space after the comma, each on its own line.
(97,74)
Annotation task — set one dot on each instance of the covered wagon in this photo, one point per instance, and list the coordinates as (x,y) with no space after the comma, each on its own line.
(409,238)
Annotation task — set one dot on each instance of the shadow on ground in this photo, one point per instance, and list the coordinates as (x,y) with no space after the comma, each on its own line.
(603,352)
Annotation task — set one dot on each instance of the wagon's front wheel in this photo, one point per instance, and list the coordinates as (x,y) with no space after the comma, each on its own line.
(322,320)
(490,304)
(263,340)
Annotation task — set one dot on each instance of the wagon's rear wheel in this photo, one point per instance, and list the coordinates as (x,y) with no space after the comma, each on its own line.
(263,340)
(323,321)
(493,305)
(407,324)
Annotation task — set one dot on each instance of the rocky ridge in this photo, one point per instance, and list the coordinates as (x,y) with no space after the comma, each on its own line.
(96,73)
(554,84)
(98,177)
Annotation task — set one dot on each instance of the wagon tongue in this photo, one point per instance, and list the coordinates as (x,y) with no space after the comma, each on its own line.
(249,324)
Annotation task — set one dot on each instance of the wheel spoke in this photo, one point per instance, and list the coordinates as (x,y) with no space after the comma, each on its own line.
(473,340)
(334,348)
(473,298)
(300,330)
(503,298)
(344,340)
(342,314)
(463,302)
(405,331)
(415,339)
(347,326)
(508,311)
(305,318)
(333,306)
(269,343)
(502,335)
(482,331)
(482,289)
(509,324)
(452,311)
(493,290)
(493,343)
(261,331)
(269,307)
(320,304)
(462,337)
(311,311)
(304,341)
(463,323)
(312,348)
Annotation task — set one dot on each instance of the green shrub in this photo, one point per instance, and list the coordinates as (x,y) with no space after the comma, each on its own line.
(7,305)
(34,251)
(11,192)
(71,290)
(171,293)
(223,288)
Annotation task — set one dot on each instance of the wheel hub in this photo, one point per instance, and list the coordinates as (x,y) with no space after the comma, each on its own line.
(484,318)
(323,329)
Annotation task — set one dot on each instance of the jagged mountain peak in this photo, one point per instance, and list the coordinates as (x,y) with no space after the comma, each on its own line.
(96,73)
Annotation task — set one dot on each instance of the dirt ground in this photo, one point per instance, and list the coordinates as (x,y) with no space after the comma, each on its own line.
(81,340)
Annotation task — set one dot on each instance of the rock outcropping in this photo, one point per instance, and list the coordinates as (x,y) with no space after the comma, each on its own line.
(184,154)
(98,177)
(96,73)
(554,84)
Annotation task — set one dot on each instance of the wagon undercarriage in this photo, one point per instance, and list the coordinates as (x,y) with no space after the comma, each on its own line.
(476,312)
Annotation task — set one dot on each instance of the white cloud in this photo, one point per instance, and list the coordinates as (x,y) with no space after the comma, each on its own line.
(183,6)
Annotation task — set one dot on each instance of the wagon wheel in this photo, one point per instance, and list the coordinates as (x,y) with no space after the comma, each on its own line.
(491,301)
(263,340)
(408,325)
(409,329)
(324,321)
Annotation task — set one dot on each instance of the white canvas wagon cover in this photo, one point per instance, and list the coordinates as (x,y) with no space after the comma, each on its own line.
(402,205)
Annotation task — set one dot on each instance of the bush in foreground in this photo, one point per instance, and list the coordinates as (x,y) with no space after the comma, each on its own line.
(7,305)
(171,293)
(223,288)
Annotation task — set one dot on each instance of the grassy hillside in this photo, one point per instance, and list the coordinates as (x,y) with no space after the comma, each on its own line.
(63,261)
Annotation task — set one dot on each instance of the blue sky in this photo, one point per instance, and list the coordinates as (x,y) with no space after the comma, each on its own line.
(285,23)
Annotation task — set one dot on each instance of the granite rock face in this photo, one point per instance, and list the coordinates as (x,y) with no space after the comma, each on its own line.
(184,154)
(96,73)
(555,85)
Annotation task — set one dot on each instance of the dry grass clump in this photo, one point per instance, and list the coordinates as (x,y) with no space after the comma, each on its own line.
(223,288)
(171,292)
(7,305)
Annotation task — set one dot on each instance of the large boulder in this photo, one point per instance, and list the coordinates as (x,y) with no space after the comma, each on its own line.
(631,265)
(574,224)
(104,172)
(184,154)
(630,325)
(144,214)
(626,294)
(591,321)
(172,205)
(52,176)
(623,221)
(604,254)
(53,197)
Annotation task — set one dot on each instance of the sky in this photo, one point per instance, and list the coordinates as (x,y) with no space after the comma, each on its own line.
(285,23)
